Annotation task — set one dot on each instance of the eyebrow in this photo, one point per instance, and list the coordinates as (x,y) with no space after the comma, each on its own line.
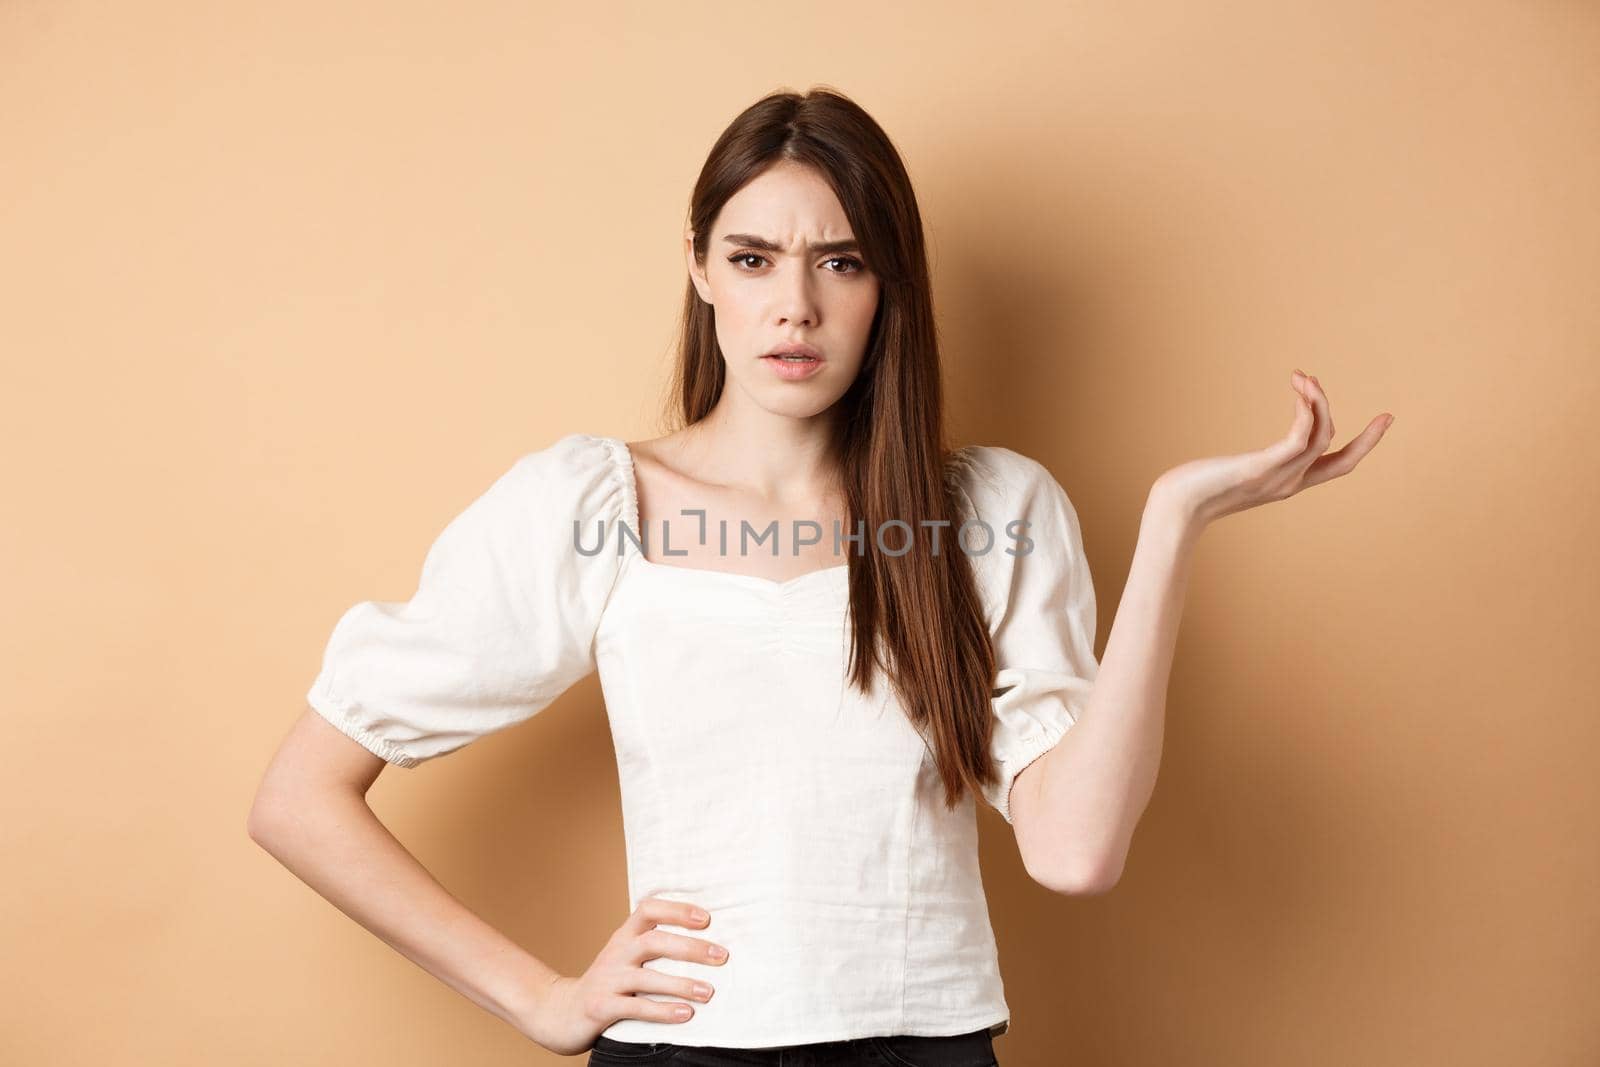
(766,245)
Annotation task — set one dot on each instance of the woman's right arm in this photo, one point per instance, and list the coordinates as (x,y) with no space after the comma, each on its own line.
(310,812)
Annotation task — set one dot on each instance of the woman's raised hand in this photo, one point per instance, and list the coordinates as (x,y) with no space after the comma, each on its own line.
(574,1011)
(1221,485)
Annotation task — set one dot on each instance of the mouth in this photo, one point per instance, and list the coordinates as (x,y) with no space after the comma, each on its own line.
(794,353)
(794,362)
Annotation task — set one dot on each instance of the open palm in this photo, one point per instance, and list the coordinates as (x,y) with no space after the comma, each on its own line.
(1221,485)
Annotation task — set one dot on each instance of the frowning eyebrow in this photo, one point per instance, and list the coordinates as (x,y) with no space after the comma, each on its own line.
(750,240)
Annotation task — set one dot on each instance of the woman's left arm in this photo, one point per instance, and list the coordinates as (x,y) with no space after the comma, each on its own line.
(1075,808)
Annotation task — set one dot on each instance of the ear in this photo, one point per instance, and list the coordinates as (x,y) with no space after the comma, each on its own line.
(696,275)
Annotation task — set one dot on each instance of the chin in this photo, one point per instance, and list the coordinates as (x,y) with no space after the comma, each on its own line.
(797,409)
(793,403)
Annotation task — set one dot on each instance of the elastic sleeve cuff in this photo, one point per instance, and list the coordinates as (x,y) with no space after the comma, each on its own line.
(1020,758)
(337,712)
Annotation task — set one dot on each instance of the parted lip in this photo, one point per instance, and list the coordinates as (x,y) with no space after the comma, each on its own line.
(794,348)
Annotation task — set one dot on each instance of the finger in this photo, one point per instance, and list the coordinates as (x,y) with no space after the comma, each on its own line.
(1320,436)
(1327,405)
(646,980)
(1295,441)
(654,910)
(656,1011)
(657,943)
(1345,459)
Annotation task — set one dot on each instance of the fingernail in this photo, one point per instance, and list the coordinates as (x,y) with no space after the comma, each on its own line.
(682,1013)
(718,952)
(699,916)
(701,989)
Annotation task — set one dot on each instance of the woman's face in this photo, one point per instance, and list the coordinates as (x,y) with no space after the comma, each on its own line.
(782,266)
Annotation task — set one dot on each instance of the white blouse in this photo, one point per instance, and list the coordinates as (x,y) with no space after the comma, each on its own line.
(805,816)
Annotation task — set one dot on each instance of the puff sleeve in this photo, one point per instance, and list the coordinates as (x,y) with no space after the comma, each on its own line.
(1042,610)
(502,620)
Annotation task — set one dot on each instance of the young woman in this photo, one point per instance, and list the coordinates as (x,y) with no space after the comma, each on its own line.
(821,632)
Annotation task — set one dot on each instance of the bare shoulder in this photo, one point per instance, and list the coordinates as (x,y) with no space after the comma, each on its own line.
(660,462)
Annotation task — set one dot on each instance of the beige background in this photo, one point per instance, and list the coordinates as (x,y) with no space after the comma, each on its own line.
(285,285)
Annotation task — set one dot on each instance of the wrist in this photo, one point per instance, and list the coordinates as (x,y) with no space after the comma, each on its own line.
(529,996)
(1175,509)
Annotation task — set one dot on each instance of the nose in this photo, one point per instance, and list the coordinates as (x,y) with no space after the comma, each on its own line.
(796,300)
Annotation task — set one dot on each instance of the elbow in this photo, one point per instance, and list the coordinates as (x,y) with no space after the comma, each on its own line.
(264,820)
(1096,885)
(1075,873)
(256,824)
(1081,880)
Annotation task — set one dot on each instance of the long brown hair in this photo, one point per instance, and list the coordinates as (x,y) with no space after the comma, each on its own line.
(897,463)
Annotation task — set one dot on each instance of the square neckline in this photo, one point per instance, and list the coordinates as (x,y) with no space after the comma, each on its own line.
(622,461)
